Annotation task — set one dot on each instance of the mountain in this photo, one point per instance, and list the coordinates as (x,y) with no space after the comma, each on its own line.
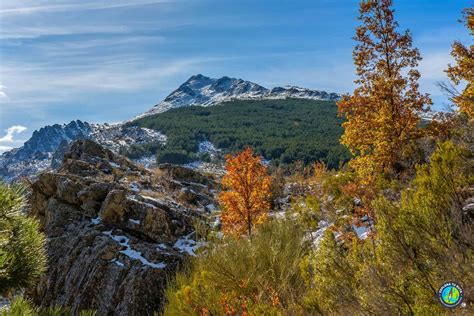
(37,153)
(204,91)
(301,93)
(47,139)
(48,144)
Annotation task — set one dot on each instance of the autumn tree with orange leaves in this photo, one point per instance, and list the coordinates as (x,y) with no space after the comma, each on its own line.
(463,70)
(383,112)
(246,191)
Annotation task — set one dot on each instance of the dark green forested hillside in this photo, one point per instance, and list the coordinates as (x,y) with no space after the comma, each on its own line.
(282,130)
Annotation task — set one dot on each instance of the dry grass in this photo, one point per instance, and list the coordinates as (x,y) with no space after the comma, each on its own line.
(157,173)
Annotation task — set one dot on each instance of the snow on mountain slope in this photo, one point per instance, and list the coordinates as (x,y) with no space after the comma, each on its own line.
(204,91)
(119,136)
(301,93)
(48,144)
(48,138)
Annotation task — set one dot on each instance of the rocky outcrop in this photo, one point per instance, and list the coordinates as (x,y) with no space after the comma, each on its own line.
(116,231)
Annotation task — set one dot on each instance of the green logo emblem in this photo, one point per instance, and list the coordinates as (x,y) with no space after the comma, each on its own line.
(450,294)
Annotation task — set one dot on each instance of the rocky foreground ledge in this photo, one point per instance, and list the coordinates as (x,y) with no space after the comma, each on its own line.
(116,231)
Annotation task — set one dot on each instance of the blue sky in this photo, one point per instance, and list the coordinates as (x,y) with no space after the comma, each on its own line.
(107,61)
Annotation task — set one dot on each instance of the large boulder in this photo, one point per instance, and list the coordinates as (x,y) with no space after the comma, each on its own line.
(113,230)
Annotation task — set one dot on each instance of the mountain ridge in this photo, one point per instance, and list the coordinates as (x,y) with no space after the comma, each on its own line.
(205,91)
(47,145)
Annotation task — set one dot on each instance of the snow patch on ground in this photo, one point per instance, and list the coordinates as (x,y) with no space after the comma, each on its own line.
(131,253)
(217,222)
(469,206)
(317,235)
(363,229)
(206,167)
(211,207)
(362,232)
(4,304)
(206,147)
(132,198)
(278,214)
(161,247)
(96,221)
(134,187)
(188,245)
(151,199)
(120,264)
(115,165)
(146,161)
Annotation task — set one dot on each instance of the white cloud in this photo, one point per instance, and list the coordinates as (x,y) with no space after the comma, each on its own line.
(11,131)
(9,141)
(26,19)
(433,65)
(118,73)
(432,72)
(10,7)
(34,86)
(3,94)
(29,32)
(5,148)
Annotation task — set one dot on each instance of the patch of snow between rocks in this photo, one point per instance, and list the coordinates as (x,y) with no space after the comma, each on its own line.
(133,254)
(134,221)
(96,221)
(188,245)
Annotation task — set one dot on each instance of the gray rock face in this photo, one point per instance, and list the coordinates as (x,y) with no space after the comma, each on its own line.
(114,230)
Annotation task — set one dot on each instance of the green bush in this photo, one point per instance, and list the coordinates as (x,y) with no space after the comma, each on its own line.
(23,307)
(426,238)
(20,307)
(422,238)
(258,276)
(22,253)
(174,156)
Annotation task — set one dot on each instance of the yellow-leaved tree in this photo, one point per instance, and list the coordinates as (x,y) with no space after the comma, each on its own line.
(383,113)
(246,191)
(463,70)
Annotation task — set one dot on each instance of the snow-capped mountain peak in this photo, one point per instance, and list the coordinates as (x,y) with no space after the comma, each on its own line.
(205,91)
(200,90)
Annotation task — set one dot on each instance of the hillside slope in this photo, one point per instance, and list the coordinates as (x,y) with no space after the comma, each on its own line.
(284,130)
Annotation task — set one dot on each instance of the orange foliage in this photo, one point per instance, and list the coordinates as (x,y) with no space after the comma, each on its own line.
(247,189)
(239,304)
(383,111)
(319,170)
(464,69)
